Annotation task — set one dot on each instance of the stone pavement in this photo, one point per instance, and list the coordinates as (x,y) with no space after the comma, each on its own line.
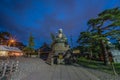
(37,69)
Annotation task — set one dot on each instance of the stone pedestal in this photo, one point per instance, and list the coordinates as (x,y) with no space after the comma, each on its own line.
(60,48)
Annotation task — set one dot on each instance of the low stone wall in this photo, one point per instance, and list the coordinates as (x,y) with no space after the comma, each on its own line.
(34,56)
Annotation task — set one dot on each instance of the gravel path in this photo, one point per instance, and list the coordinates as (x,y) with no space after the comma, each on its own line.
(37,69)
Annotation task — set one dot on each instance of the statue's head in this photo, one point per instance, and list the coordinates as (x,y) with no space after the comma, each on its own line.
(60,30)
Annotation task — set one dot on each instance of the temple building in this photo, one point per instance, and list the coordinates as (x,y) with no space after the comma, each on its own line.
(6,51)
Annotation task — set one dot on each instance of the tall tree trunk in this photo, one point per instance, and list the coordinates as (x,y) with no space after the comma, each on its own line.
(91,54)
(105,53)
(104,50)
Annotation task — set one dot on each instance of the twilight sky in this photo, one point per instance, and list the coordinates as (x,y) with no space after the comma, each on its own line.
(41,17)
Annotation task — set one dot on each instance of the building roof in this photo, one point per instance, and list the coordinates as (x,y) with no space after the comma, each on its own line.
(8,48)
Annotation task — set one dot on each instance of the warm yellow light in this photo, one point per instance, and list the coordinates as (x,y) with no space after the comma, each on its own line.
(3,53)
(12,40)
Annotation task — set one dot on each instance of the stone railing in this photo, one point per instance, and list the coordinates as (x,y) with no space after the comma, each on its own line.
(7,68)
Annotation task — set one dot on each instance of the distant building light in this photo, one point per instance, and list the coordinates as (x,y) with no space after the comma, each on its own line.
(3,53)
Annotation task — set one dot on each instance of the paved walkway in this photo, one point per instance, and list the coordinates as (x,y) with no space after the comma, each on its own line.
(36,69)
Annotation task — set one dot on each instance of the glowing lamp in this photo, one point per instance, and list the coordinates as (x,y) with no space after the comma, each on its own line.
(12,41)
